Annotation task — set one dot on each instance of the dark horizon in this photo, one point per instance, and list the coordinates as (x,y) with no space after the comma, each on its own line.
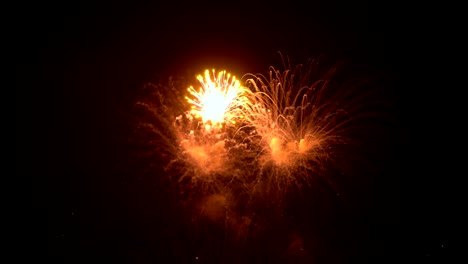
(90,64)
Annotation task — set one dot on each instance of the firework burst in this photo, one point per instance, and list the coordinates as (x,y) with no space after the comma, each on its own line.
(203,131)
(218,100)
(293,126)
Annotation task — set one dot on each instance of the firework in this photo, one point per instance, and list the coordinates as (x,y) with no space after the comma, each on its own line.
(203,131)
(291,127)
(234,148)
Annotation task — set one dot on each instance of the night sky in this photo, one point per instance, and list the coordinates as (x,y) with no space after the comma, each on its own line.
(83,67)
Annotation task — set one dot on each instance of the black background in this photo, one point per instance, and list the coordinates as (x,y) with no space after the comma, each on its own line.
(80,68)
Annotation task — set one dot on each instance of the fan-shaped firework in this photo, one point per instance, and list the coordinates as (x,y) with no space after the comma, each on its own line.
(295,122)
